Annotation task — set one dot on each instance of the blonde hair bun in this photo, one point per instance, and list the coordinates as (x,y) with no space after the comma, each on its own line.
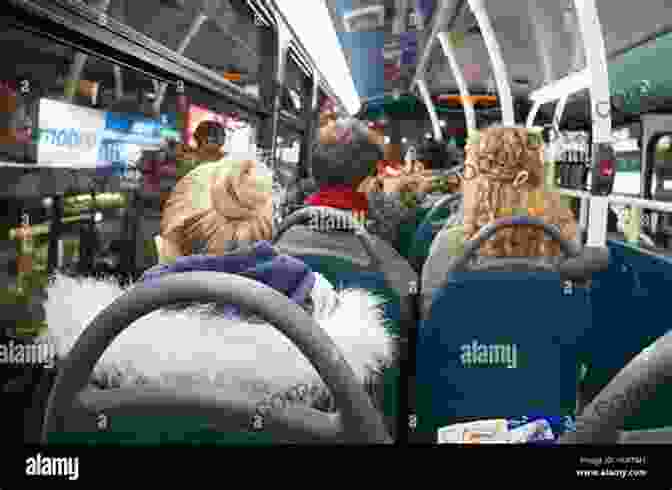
(219,203)
(241,189)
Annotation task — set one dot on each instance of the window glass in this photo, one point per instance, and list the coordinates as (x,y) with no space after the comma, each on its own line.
(225,37)
(97,131)
(628,160)
(286,169)
(295,88)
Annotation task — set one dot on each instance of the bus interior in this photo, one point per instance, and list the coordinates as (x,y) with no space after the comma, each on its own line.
(97,88)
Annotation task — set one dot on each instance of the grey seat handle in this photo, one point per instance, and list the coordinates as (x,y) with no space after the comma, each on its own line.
(471,247)
(361,421)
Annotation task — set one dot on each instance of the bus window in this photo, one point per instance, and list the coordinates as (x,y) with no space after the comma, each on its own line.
(628,161)
(663,160)
(224,38)
(286,173)
(661,190)
(73,128)
(296,84)
(288,147)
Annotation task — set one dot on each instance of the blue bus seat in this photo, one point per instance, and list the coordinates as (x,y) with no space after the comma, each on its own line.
(628,302)
(428,222)
(476,312)
(342,259)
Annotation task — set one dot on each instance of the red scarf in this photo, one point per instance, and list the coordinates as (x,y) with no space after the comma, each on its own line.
(387,168)
(340,197)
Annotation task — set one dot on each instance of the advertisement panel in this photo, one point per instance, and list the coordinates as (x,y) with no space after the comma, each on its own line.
(68,135)
(124,139)
(80,137)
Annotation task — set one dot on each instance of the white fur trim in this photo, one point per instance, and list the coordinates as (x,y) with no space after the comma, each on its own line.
(166,346)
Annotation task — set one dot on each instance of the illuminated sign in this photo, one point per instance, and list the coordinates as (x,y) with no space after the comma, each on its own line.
(68,135)
(475,99)
(126,136)
(80,137)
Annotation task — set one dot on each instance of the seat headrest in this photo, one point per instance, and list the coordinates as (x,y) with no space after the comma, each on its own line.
(579,269)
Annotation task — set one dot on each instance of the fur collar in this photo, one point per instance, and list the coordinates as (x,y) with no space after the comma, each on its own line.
(168,347)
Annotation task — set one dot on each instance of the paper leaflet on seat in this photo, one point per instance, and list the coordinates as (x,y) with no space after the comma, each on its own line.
(495,431)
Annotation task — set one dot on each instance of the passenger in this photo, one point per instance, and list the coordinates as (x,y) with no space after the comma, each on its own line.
(431,159)
(217,219)
(344,167)
(391,165)
(216,208)
(327,117)
(221,345)
(210,137)
(434,159)
(504,176)
(433,155)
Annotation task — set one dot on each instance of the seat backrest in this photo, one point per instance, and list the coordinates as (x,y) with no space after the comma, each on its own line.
(436,266)
(434,269)
(342,258)
(497,345)
(538,308)
(430,223)
(341,255)
(629,310)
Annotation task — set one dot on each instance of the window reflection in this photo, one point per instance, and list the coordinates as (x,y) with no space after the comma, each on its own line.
(83,143)
(221,36)
(295,87)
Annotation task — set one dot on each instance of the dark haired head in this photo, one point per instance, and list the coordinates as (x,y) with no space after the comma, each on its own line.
(346,153)
(436,156)
(210,132)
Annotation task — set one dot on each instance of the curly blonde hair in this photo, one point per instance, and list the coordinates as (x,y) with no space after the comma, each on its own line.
(504,175)
(215,204)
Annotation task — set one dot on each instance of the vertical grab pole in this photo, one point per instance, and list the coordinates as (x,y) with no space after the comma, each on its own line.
(467,105)
(559,111)
(429,104)
(533,114)
(572,28)
(284,39)
(596,60)
(543,29)
(498,66)
(310,116)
